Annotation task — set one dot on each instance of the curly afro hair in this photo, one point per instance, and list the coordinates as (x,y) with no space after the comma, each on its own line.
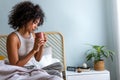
(23,12)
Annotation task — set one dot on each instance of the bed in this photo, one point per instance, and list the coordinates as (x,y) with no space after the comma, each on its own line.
(54,40)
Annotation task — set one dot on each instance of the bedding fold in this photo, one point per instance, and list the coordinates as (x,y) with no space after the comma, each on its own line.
(10,72)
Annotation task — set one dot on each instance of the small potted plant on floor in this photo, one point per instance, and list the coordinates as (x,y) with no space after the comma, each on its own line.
(98,53)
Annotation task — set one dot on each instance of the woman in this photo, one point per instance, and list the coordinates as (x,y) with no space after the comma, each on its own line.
(22,46)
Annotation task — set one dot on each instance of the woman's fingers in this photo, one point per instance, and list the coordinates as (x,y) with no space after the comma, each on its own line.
(45,37)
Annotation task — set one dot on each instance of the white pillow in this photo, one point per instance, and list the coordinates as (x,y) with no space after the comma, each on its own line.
(54,60)
(46,58)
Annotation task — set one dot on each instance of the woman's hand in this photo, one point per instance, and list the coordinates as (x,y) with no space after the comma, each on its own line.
(39,42)
(45,38)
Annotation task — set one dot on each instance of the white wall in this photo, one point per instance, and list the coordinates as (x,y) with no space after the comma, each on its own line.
(80,21)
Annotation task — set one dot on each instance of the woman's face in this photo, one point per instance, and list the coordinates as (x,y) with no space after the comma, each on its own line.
(32,25)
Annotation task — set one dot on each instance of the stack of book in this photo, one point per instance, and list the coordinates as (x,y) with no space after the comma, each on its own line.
(82,69)
(78,69)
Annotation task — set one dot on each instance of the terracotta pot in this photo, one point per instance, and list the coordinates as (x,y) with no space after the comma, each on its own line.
(99,65)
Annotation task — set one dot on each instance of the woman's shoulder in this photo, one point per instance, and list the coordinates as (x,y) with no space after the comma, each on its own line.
(12,36)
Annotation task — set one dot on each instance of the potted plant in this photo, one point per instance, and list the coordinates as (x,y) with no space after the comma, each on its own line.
(98,53)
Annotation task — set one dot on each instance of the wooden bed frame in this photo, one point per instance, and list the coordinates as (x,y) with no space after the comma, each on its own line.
(54,39)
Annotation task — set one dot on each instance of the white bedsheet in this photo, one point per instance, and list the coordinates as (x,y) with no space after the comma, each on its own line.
(9,72)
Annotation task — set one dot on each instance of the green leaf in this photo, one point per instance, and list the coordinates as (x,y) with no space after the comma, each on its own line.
(89,56)
(103,53)
(111,57)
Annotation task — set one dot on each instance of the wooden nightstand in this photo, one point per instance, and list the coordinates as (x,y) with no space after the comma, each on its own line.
(90,75)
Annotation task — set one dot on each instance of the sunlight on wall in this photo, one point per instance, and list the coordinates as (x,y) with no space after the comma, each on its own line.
(118,12)
(118,25)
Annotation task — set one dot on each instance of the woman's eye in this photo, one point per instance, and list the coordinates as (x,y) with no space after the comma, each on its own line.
(35,22)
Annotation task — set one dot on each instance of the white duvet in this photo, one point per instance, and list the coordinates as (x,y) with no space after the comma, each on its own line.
(9,72)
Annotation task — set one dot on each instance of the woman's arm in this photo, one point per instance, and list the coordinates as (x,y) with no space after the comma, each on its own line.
(38,55)
(12,51)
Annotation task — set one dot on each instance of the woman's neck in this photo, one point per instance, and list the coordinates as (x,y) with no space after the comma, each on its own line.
(24,33)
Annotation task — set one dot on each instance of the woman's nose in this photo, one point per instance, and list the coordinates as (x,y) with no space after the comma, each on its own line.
(36,27)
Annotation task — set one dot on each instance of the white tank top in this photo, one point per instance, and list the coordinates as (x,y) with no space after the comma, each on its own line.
(25,47)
